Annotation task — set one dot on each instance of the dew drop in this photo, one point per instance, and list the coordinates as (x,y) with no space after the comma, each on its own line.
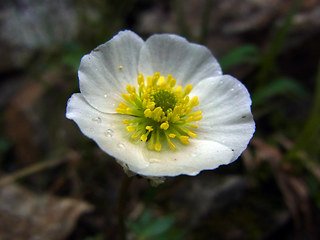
(121,146)
(105,95)
(108,133)
(232,89)
(97,119)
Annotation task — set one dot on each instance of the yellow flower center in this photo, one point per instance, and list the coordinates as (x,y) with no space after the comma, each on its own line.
(161,112)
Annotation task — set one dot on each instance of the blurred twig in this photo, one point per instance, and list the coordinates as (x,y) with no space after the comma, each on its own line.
(34,169)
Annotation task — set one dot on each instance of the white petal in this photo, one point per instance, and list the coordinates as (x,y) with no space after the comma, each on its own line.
(107,130)
(108,69)
(227,118)
(190,159)
(171,54)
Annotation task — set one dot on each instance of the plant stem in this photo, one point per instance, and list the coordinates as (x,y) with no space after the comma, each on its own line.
(268,60)
(123,193)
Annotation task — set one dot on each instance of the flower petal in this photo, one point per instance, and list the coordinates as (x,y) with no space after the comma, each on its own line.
(190,160)
(107,130)
(227,118)
(109,133)
(108,69)
(171,54)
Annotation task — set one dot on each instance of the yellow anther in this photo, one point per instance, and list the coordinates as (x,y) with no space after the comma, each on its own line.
(171,135)
(186,100)
(171,81)
(179,89)
(162,82)
(120,67)
(144,138)
(194,101)
(121,110)
(151,105)
(156,75)
(164,126)
(148,113)
(197,118)
(187,89)
(150,124)
(184,139)
(140,79)
(192,134)
(149,81)
(149,128)
(126,97)
(157,114)
(197,113)
(123,105)
(131,89)
(130,128)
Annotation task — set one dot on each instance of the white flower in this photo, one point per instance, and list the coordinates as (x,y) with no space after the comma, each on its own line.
(161,106)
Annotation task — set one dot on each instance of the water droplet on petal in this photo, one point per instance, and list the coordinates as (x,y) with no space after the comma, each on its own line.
(121,146)
(108,133)
(231,89)
(105,95)
(97,119)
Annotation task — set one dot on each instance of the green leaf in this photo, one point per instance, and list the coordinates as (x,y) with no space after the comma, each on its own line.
(73,54)
(277,87)
(243,54)
(141,224)
(157,227)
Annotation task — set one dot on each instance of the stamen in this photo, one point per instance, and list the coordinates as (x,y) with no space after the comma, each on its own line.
(164,126)
(161,112)
(184,139)
(131,128)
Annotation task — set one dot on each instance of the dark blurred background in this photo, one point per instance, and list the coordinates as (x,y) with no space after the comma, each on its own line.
(57,184)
